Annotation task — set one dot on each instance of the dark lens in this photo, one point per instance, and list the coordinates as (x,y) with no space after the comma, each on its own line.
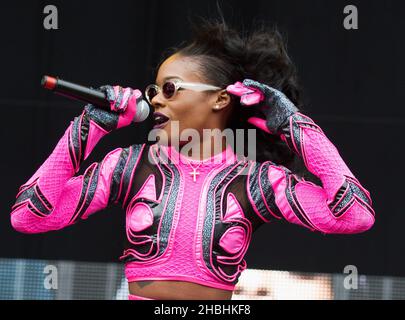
(169,89)
(151,92)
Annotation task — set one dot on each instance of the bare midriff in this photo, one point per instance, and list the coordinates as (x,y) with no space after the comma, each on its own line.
(177,290)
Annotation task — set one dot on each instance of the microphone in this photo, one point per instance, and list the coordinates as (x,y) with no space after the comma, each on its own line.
(90,95)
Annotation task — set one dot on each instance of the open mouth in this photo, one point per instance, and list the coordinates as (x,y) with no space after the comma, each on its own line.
(160,120)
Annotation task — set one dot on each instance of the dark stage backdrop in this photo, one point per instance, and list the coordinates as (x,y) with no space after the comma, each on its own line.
(354,89)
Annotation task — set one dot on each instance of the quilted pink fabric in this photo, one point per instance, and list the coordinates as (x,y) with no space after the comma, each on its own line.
(213,216)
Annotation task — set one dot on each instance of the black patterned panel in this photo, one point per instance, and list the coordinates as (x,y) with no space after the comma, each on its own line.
(346,195)
(262,193)
(150,243)
(90,180)
(235,264)
(116,189)
(39,205)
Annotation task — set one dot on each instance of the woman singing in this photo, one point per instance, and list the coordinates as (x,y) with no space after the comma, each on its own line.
(190,216)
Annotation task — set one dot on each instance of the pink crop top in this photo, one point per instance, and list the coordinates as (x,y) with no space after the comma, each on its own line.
(192,229)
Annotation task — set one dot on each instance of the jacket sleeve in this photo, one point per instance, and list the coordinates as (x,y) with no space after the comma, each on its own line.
(341,205)
(53,197)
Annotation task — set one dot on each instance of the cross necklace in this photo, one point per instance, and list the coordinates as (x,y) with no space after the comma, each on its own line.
(195,172)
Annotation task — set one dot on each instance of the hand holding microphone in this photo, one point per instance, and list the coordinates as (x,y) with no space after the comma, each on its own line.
(111,107)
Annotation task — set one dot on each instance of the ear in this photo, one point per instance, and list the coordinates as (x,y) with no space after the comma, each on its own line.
(223,100)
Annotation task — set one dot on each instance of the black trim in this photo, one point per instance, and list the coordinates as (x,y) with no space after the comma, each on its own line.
(292,200)
(90,179)
(344,202)
(296,125)
(105,119)
(75,139)
(37,207)
(268,191)
(72,151)
(213,216)
(259,179)
(117,176)
(129,171)
(165,219)
(43,198)
(84,135)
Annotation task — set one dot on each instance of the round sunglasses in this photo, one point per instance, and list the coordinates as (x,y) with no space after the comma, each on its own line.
(170,88)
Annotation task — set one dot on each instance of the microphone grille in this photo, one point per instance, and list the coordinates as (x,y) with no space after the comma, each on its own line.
(142,111)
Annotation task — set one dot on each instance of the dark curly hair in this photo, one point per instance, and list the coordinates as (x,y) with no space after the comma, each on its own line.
(225,56)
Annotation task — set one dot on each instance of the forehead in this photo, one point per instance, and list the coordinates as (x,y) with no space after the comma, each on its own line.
(177,66)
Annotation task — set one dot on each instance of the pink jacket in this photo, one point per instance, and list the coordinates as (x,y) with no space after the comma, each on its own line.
(181,229)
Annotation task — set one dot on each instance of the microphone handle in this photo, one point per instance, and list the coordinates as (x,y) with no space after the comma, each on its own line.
(76,91)
(90,95)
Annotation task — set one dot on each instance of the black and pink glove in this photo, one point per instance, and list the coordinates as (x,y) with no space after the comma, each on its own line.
(123,107)
(276,107)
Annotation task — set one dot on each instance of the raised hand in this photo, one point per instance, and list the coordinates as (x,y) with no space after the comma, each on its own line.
(275,106)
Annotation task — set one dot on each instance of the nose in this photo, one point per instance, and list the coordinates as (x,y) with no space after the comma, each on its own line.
(158,101)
